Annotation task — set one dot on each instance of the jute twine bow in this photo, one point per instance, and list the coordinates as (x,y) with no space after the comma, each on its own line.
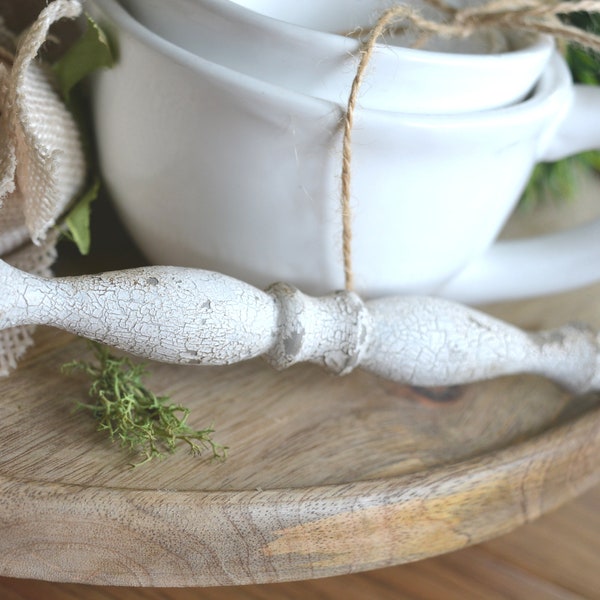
(534,16)
(42,164)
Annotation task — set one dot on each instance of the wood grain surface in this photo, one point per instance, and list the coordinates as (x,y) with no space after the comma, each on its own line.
(554,558)
(325,476)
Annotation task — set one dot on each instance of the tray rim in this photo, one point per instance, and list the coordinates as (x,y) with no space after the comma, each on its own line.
(565,454)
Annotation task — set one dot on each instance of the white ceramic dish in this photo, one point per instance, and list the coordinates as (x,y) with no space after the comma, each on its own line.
(293,44)
(214,169)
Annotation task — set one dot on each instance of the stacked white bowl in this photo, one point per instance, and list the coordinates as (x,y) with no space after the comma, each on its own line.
(312,47)
(219,133)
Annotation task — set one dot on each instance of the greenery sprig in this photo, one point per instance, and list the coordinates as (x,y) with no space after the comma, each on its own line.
(88,54)
(133,415)
(558,180)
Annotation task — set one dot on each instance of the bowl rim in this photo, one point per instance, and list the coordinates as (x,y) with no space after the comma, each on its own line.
(552,90)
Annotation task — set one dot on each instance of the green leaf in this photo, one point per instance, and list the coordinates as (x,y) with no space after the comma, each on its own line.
(90,52)
(558,180)
(78,219)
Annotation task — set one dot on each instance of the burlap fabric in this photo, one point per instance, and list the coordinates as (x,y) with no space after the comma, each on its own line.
(42,164)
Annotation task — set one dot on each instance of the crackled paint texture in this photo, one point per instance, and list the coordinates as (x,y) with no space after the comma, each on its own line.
(189,316)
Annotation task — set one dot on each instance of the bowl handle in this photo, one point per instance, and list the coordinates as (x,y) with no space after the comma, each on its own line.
(549,263)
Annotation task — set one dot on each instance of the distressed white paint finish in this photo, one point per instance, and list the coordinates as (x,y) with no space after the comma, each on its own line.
(191,316)
(171,314)
(333,331)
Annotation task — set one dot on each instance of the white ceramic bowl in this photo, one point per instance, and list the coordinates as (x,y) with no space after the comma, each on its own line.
(294,45)
(211,168)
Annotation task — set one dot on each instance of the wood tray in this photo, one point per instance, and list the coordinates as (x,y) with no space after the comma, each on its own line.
(325,475)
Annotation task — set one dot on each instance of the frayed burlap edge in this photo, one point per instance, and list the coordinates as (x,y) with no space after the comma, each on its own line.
(42,164)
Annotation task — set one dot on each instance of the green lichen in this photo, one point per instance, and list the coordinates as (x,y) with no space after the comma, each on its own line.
(134,416)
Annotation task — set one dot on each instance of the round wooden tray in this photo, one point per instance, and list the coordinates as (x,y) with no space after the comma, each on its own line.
(325,475)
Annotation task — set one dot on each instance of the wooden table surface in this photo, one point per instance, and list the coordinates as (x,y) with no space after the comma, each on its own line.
(557,556)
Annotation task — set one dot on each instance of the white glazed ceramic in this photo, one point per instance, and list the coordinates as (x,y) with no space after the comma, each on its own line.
(297,48)
(214,169)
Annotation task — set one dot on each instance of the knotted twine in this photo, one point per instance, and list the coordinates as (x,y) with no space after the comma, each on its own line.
(532,16)
(42,164)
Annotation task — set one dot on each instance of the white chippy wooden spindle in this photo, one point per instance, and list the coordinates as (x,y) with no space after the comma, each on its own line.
(190,316)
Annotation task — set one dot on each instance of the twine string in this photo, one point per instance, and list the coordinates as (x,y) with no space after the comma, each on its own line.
(533,16)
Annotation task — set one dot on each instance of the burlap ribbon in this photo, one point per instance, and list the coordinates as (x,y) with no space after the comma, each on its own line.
(42,164)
